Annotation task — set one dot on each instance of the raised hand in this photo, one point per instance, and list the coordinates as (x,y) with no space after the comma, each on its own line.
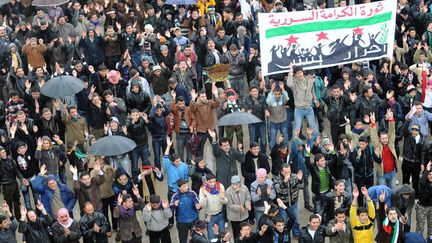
(297,133)
(355,192)
(365,191)
(23,212)
(382,196)
(73,170)
(308,149)
(299,175)
(372,117)
(119,199)
(212,134)
(43,170)
(40,206)
(309,131)
(136,191)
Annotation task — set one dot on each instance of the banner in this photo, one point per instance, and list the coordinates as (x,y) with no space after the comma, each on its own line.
(326,37)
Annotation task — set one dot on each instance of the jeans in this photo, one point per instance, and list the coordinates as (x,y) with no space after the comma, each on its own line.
(181,139)
(348,186)
(62,175)
(237,83)
(258,131)
(300,113)
(215,219)
(140,151)
(25,190)
(388,179)
(318,201)
(274,128)
(284,215)
(158,145)
(289,121)
(258,215)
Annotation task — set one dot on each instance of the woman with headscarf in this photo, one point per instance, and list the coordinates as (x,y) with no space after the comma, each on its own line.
(129,228)
(65,229)
(34,227)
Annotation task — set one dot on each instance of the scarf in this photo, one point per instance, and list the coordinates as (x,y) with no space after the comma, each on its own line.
(357,131)
(95,23)
(232,106)
(215,190)
(423,85)
(127,213)
(388,229)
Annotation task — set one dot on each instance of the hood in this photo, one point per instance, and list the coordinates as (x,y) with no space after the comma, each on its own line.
(135,82)
(405,189)
(347,70)
(119,172)
(257,70)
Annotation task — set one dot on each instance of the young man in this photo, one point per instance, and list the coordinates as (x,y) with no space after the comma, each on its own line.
(386,171)
(183,125)
(8,225)
(94,225)
(362,219)
(314,231)
(338,198)
(175,170)
(246,236)
(156,215)
(158,127)
(424,204)
(226,158)
(276,101)
(212,198)
(322,179)
(390,228)
(339,228)
(186,204)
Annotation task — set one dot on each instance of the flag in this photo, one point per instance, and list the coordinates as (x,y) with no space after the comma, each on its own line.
(326,37)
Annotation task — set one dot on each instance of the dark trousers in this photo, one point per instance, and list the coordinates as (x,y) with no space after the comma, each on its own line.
(318,201)
(108,203)
(411,169)
(11,195)
(160,236)
(336,131)
(362,181)
(184,230)
(203,137)
(134,240)
(171,220)
(235,225)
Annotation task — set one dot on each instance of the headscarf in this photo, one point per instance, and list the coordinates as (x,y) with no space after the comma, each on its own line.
(61,212)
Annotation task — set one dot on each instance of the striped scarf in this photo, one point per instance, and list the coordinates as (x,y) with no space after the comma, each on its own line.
(388,229)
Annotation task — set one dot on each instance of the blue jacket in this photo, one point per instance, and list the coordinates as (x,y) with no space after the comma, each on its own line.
(422,121)
(174,173)
(157,124)
(186,212)
(375,192)
(40,186)
(181,91)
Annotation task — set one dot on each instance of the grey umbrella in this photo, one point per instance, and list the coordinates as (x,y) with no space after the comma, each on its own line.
(238,118)
(181,2)
(62,86)
(45,3)
(112,145)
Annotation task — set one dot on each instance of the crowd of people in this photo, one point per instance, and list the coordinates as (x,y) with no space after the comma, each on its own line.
(146,66)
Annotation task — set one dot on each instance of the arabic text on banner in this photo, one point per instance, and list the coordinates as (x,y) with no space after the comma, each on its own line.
(326,37)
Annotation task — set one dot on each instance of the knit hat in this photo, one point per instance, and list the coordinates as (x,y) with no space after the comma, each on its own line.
(146,167)
(326,141)
(114,119)
(410,88)
(235,179)
(49,178)
(133,72)
(163,47)
(261,172)
(154,199)
(200,224)
(297,68)
(233,47)
(156,67)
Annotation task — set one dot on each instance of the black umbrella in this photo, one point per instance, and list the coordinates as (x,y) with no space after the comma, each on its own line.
(3,2)
(62,86)
(45,3)
(238,118)
(112,145)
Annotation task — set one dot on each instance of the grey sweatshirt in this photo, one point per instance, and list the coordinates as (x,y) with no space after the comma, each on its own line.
(303,91)
(156,219)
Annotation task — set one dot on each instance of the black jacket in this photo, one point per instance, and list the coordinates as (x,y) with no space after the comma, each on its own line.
(277,160)
(59,236)
(305,237)
(315,174)
(97,117)
(425,189)
(248,167)
(137,131)
(364,166)
(36,232)
(197,174)
(328,208)
(9,172)
(336,108)
(87,224)
(257,108)
(140,101)
(413,152)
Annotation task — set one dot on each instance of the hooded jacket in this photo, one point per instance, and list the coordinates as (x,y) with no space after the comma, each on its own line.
(405,206)
(140,100)
(51,157)
(39,184)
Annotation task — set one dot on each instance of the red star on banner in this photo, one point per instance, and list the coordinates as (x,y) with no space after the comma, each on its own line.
(292,40)
(358,31)
(322,36)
